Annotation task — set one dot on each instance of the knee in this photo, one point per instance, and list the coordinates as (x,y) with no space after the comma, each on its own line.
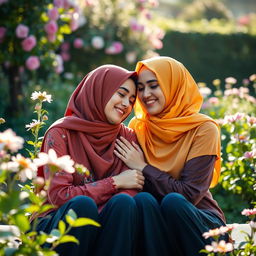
(145,199)
(84,206)
(123,201)
(173,203)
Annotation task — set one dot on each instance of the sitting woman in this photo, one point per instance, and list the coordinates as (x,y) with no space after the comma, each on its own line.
(182,152)
(92,123)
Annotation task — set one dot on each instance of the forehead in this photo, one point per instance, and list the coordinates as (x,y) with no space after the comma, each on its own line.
(129,85)
(146,75)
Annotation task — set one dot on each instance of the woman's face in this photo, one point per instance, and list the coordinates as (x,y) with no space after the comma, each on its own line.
(150,93)
(120,104)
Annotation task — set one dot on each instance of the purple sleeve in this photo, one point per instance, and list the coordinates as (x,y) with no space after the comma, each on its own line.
(193,183)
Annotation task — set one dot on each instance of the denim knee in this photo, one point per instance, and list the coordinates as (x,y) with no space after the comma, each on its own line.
(145,199)
(173,203)
(84,206)
(123,201)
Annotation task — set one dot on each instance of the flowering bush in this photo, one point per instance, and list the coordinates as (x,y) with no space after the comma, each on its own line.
(235,111)
(221,247)
(16,206)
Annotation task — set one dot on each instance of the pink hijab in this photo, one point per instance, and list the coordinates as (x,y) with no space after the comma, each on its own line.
(91,139)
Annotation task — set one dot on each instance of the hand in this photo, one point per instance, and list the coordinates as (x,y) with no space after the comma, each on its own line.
(130,154)
(130,179)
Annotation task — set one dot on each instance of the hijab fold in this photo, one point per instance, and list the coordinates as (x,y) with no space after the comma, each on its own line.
(166,138)
(90,138)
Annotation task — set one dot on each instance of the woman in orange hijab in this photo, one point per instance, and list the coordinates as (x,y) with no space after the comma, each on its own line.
(87,132)
(181,159)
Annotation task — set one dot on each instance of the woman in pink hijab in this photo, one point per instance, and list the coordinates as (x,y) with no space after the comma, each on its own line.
(88,132)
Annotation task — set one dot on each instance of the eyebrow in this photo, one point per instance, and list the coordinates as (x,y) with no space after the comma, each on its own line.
(125,89)
(149,81)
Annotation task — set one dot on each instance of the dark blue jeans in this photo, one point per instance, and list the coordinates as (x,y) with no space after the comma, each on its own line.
(173,227)
(116,236)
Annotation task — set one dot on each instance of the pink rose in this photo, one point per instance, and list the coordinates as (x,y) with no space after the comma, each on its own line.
(33,63)
(74,23)
(2,32)
(53,14)
(59,64)
(29,43)
(65,46)
(78,43)
(98,42)
(3,1)
(115,48)
(51,27)
(65,56)
(51,37)
(22,31)
(58,3)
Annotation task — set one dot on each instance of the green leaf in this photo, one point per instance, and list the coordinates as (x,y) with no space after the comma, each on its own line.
(68,238)
(30,142)
(72,214)
(22,222)
(62,226)
(85,221)
(69,220)
(55,232)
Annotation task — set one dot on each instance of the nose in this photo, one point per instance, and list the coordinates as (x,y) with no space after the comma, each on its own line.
(125,102)
(146,92)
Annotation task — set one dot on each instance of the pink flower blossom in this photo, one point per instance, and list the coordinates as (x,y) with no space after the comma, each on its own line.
(249,212)
(78,43)
(244,20)
(22,31)
(230,80)
(218,231)
(9,141)
(51,37)
(221,247)
(32,126)
(250,154)
(27,168)
(65,46)
(51,27)
(97,42)
(135,26)
(58,64)
(33,63)
(213,100)
(3,1)
(65,56)
(29,43)
(2,32)
(53,13)
(64,162)
(74,23)
(251,120)
(58,3)
(131,57)
(114,48)
(156,43)
(252,78)
(246,81)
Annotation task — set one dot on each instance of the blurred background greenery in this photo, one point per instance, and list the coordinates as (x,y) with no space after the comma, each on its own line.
(214,39)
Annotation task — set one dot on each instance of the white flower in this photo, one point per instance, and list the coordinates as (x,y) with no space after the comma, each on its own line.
(27,168)
(32,125)
(205,91)
(222,246)
(97,42)
(42,96)
(10,141)
(64,162)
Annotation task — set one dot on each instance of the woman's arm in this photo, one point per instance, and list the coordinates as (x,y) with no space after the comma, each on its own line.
(193,183)
(63,187)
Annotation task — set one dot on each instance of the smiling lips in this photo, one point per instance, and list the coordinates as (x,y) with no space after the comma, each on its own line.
(150,102)
(120,111)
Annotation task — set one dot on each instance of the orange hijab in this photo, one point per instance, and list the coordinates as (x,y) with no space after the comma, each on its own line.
(166,138)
